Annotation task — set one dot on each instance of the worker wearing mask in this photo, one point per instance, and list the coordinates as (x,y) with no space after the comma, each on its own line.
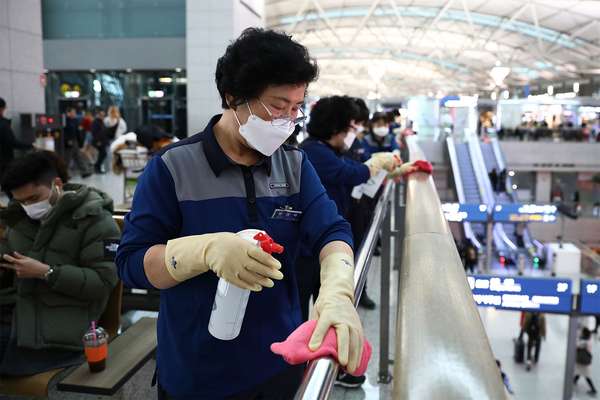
(379,139)
(196,194)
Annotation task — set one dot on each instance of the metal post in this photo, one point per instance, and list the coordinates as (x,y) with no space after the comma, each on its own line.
(399,209)
(489,243)
(570,361)
(562,231)
(384,317)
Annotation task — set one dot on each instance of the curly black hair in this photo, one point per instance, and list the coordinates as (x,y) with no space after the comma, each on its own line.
(260,58)
(362,114)
(330,116)
(379,116)
(39,167)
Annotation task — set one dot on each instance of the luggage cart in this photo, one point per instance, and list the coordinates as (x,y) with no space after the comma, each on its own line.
(134,161)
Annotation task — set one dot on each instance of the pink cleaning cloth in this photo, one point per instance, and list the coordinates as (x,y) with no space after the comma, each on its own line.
(294,349)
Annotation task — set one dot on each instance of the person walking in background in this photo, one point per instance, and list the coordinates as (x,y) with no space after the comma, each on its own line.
(502,181)
(494,178)
(583,359)
(73,142)
(520,233)
(88,149)
(8,141)
(114,120)
(471,257)
(534,325)
(577,202)
(100,140)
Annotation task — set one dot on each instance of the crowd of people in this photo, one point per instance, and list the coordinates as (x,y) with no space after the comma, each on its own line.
(182,225)
(587,131)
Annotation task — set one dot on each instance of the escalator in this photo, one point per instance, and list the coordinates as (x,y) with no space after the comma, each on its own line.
(467,188)
(533,246)
(490,161)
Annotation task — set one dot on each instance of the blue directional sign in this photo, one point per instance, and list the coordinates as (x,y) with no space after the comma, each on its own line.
(519,293)
(456,212)
(589,295)
(524,213)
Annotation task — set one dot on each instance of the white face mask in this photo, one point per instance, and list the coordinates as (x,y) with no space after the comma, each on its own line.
(37,210)
(40,209)
(263,136)
(359,129)
(381,131)
(349,139)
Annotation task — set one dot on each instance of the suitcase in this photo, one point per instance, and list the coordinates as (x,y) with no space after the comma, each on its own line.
(519,355)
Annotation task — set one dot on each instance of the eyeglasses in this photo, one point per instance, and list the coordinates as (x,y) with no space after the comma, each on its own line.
(285,119)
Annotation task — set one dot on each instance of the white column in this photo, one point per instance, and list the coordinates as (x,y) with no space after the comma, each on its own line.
(210,26)
(21,57)
(543,186)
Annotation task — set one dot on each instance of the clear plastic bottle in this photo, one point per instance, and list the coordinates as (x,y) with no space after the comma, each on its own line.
(230,302)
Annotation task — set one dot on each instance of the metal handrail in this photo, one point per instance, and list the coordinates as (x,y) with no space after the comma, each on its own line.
(321,373)
(442,351)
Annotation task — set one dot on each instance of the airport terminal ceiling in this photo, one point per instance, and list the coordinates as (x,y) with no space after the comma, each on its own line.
(395,48)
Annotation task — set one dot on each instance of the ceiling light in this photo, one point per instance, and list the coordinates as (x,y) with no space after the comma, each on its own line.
(165,79)
(498,74)
(156,93)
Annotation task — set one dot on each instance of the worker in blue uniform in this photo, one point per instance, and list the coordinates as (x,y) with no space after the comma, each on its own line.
(360,214)
(331,133)
(359,150)
(379,138)
(196,194)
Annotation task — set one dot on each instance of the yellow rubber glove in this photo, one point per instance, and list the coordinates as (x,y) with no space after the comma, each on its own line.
(403,170)
(379,161)
(237,260)
(335,308)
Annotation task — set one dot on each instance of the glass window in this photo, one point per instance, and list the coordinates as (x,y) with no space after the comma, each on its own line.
(144,97)
(93,19)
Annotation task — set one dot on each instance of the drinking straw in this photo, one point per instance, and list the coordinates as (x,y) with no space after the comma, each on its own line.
(94,332)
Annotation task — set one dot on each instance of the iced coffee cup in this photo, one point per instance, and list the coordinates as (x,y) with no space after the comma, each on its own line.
(95,344)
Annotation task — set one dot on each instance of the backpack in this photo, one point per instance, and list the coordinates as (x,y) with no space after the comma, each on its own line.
(583,356)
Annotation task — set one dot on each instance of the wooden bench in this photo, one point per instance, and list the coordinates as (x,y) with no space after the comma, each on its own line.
(126,355)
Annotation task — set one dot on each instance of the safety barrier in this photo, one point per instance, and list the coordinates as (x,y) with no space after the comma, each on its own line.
(442,351)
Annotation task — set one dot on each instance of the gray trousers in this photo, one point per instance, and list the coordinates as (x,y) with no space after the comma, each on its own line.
(81,162)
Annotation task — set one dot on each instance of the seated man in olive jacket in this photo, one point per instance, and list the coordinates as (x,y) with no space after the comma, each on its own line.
(56,267)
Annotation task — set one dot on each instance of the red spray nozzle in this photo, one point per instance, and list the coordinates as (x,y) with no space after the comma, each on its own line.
(267,244)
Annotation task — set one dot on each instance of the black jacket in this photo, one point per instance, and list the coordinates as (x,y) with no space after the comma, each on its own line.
(8,143)
(72,134)
(99,133)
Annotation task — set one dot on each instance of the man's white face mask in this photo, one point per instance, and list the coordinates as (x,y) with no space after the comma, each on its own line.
(40,209)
